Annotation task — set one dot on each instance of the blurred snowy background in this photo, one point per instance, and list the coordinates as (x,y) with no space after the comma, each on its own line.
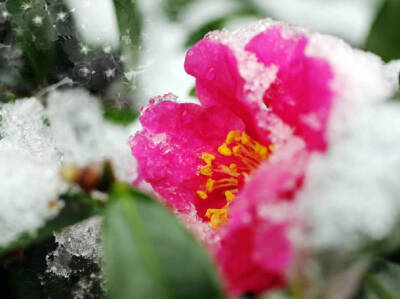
(170,26)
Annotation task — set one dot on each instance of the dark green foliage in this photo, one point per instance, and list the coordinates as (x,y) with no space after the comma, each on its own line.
(35,34)
(384,37)
(149,255)
(42,47)
(381,281)
(21,271)
(25,275)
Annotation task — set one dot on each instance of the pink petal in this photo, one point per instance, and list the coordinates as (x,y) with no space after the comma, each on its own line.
(169,147)
(218,81)
(255,251)
(300,95)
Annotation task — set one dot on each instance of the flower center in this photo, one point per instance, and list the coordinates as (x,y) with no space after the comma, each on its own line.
(238,156)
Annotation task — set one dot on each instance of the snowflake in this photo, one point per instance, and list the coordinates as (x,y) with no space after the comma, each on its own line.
(38,20)
(84,50)
(107,49)
(26,6)
(62,16)
(110,73)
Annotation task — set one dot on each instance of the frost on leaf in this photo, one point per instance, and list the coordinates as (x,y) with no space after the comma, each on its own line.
(74,267)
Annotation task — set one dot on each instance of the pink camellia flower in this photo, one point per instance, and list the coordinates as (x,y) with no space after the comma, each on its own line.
(235,163)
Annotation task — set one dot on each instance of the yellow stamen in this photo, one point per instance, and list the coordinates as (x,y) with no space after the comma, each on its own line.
(208,158)
(261,150)
(245,139)
(218,217)
(206,170)
(227,170)
(202,194)
(210,185)
(229,196)
(225,150)
(232,137)
(247,153)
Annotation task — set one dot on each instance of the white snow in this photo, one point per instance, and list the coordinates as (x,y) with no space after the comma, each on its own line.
(348,19)
(351,193)
(29,184)
(84,137)
(32,154)
(96,21)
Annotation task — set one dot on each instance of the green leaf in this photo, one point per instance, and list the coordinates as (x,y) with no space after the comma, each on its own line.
(130,26)
(381,281)
(384,37)
(192,92)
(149,255)
(77,207)
(123,116)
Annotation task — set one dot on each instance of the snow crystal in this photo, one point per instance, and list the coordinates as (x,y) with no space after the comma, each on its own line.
(79,240)
(351,193)
(23,125)
(29,184)
(77,260)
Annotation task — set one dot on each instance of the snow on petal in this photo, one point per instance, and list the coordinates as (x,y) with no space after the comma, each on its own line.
(301,94)
(359,80)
